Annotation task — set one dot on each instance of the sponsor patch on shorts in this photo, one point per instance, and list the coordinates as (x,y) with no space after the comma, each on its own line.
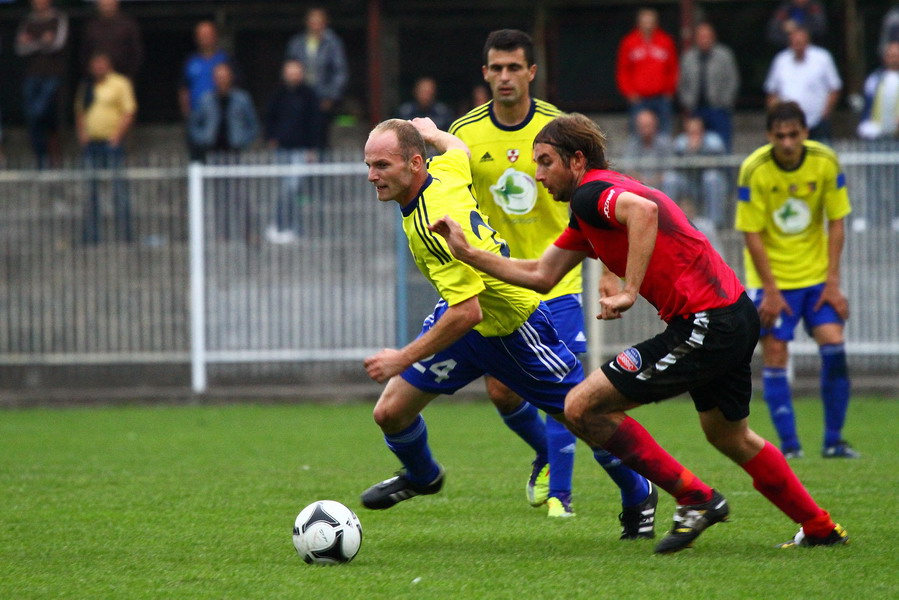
(630,360)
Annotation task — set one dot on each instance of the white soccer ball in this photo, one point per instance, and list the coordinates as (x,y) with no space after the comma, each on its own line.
(327,533)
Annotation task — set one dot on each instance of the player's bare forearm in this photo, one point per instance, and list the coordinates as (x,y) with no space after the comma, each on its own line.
(458,320)
(759,256)
(832,294)
(441,140)
(641,217)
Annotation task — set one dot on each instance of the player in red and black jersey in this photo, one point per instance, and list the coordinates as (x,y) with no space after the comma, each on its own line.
(644,239)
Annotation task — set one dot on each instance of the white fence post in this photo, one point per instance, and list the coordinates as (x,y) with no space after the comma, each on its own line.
(197,279)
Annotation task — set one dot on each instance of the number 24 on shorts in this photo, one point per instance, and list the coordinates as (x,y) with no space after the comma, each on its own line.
(441,370)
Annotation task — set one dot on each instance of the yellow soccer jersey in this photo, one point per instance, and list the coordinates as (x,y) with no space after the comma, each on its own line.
(503,170)
(789,209)
(504,307)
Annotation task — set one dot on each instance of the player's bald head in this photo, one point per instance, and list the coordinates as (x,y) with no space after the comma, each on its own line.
(409,140)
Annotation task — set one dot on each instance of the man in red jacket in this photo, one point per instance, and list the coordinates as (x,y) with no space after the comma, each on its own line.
(646,69)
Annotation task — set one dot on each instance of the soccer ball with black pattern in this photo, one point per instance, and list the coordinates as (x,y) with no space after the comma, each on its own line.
(327,533)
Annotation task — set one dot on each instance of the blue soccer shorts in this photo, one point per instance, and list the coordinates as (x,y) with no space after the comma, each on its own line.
(568,315)
(532,361)
(802,303)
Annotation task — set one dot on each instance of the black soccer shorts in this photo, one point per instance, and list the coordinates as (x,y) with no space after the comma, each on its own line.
(706,354)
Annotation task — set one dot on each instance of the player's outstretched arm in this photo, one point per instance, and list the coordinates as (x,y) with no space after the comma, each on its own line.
(540,275)
(455,322)
(441,140)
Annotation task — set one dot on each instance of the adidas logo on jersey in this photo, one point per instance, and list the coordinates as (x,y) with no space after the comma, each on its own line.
(486,157)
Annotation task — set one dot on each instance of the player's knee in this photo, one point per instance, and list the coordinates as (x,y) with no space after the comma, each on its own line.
(388,418)
(577,407)
(504,399)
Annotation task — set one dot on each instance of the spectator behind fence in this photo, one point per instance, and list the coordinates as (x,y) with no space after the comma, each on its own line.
(104,113)
(41,40)
(889,29)
(706,187)
(115,34)
(292,124)
(426,105)
(321,50)
(646,70)
(709,82)
(649,145)
(806,74)
(879,127)
(880,118)
(198,74)
(808,14)
(225,120)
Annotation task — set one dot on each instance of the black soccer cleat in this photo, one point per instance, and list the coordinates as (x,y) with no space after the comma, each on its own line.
(841,449)
(398,488)
(638,522)
(690,521)
(836,537)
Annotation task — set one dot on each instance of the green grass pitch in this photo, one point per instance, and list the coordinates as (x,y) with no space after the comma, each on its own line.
(199,502)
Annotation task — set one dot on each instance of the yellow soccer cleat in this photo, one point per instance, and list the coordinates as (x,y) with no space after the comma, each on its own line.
(537,488)
(559,508)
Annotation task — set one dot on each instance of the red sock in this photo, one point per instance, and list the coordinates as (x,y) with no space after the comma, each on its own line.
(634,447)
(773,477)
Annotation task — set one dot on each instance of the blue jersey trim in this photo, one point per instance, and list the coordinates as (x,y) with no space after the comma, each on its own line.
(841,180)
(521,125)
(743,193)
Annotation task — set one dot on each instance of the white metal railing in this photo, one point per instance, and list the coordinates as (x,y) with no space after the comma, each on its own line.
(202,276)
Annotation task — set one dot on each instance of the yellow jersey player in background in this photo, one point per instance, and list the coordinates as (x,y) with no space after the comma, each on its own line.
(787,191)
(500,135)
(480,325)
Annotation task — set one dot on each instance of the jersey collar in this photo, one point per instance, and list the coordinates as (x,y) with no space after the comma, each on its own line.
(410,208)
(521,125)
(798,165)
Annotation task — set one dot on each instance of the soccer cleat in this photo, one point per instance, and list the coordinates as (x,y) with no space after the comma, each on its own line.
(638,522)
(691,520)
(837,537)
(398,488)
(538,484)
(841,449)
(795,453)
(559,508)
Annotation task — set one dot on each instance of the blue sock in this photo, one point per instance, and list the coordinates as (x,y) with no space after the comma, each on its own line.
(560,444)
(526,422)
(834,391)
(634,488)
(411,446)
(779,398)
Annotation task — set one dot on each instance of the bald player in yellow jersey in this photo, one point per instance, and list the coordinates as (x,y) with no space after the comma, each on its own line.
(500,135)
(480,325)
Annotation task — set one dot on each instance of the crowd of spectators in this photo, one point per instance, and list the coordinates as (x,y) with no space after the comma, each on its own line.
(697,89)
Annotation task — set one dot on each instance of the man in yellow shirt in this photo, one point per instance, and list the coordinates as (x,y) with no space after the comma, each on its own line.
(501,135)
(787,190)
(481,325)
(104,113)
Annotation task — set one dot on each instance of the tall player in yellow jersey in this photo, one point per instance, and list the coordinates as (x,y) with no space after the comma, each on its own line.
(787,190)
(500,135)
(481,324)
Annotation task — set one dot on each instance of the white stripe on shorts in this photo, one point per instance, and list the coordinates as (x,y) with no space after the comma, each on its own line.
(543,353)
(697,337)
